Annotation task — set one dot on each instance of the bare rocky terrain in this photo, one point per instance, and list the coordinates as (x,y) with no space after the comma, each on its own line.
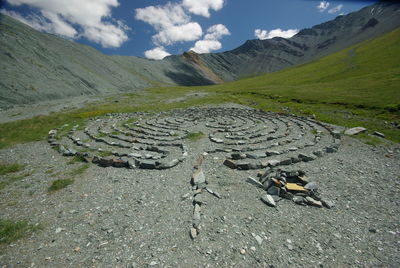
(142,194)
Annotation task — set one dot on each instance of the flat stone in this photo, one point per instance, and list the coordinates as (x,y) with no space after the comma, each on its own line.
(327,203)
(255,182)
(243,166)
(193,233)
(237,156)
(299,200)
(312,202)
(270,153)
(256,155)
(355,130)
(273,190)
(269,200)
(119,163)
(198,177)
(307,157)
(146,164)
(273,162)
(379,134)
(106,161)
(199,199)
(330,149)
(286,162)
(312,186)
(230,163)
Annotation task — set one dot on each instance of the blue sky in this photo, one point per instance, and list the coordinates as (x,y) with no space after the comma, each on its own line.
(155,28)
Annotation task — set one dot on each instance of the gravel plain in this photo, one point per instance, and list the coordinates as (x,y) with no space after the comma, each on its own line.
(140,217)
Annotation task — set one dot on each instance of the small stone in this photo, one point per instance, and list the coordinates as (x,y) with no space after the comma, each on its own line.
(198,177)
(193,233)
(242,251)
(327,203)
(253,248)
(273,190)
(286,162)
(379,134)
(230,163)
(77,249)
(273,162)
(270,153)
(299,200)
(255,182)
(258,239)
(312,202)
(312,186)
(307,158)
(268,199)
(237,156)
(58,230)
(106,161)
(355,130)
(153,263)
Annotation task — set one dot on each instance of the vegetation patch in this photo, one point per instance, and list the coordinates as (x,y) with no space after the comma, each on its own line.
(6,168)
(59,184)
(11,231)
(77,159)
(194,136)
(79,170)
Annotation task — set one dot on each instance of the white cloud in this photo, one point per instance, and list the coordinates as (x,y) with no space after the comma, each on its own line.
(261,34)
(264,34)
(206,46)
(323,5)
(210,41)
(216,32)
(180,33)
(162,17)
(335,9)
(59,17)
(202,7)
(157,53)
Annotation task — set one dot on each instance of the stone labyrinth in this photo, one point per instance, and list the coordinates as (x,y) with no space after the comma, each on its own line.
(250,139)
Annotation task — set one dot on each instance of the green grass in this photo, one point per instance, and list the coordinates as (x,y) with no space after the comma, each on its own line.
(77,159)
(358,86)
(80,170)
(59,184)
(11,231)
(194,136)
(6,168)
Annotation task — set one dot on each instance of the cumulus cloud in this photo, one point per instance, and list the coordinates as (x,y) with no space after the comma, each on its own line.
(206,46)
(61,17)
(157,53)
(264,34)
(216,32)
(171,22)
(210,41)
(202,7)
(179,33)
(335,9)
(161,17)
(323,5)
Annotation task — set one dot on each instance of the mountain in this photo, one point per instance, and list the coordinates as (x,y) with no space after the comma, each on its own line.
(261,56)
(37,66)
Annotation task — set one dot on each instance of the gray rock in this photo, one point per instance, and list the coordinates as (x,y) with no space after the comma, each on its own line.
(269,200)
(254,182)
(355,130)
(273,162)
(327,203)
(299,200)
(312,202)
(199,199)
(120,163)
(312,186)
(256,155)
(147,164)
(106,161)
(198,177)
(379,134)
(307,157)
(331,149)
(230,163)
(336,134)
(237,156)
(286,162)
(273,190)
(270,153)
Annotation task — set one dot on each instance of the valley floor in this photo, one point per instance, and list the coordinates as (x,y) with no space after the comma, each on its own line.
(117,217)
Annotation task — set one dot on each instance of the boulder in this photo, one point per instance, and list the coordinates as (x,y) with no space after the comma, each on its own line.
(355,130)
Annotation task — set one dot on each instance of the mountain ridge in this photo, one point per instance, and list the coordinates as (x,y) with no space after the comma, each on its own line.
(38,66)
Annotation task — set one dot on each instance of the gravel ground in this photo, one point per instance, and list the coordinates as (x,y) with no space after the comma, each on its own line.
(121,217)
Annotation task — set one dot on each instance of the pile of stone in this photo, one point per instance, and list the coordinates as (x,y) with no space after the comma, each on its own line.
(291,185)
(200,188)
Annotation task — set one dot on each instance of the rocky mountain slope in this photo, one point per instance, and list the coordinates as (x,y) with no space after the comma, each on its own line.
(37,66)
(260,56)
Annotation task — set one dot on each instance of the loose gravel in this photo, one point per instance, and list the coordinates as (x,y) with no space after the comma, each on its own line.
(134,205)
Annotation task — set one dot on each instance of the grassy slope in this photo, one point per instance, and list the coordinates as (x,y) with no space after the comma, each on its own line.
(355,86)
